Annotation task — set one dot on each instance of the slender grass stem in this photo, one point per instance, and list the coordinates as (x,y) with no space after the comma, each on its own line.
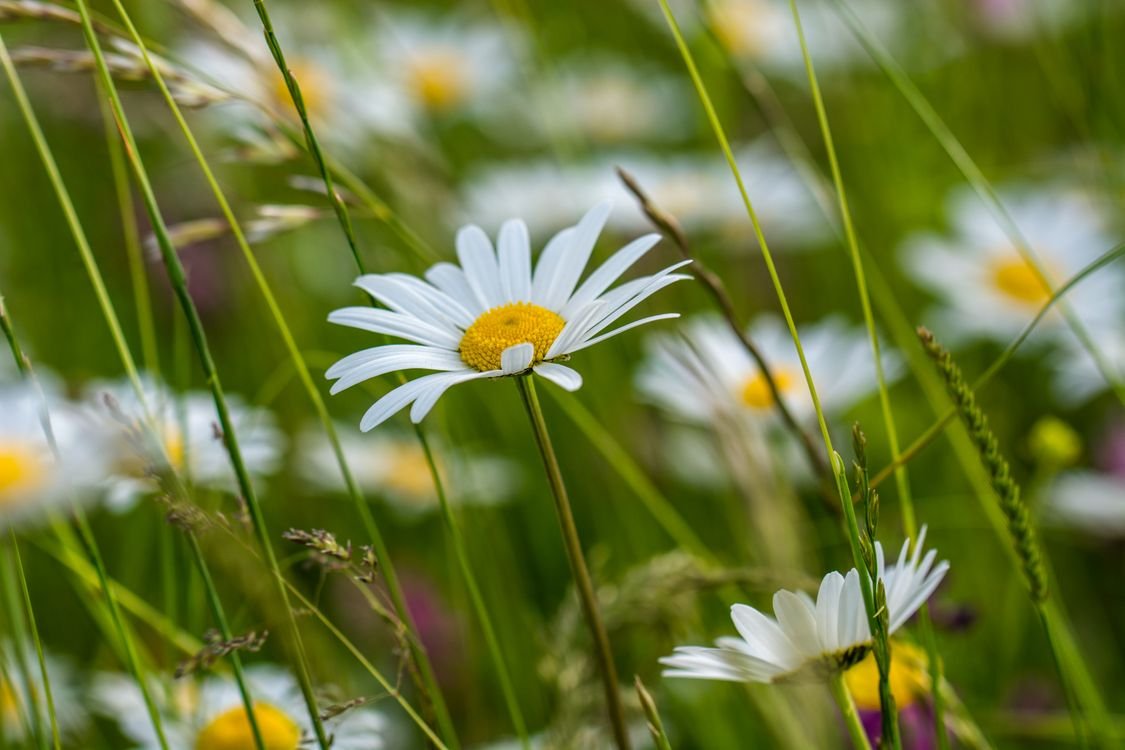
(847,709)
(199,338)
(976,179)
(602,651)
(14,609)
(33,629)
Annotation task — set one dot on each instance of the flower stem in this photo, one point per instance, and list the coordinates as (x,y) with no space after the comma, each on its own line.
(582,581)
(847,709)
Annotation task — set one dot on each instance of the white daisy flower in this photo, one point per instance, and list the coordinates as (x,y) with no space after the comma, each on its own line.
(347,97)
(1077,377)
(492,316)
(32,480)
(448,66)
(394,466)
(706,372)
(18,698)
(987,288)
(210,714)
(192,443)
(698,190)
(812,640)
(1090,501)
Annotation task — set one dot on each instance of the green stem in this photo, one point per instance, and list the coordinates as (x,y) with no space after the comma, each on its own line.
(33,628)
(847,709)
(585,586)
(14,610)
(475,596)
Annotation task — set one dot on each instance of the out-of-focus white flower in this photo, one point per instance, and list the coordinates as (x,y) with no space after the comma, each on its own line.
(706,372)
(1021,20)
(1090,501)
(492,316)
(190,441)
(698,190)
(986,287)
(22,693)
(210,714)
(394,466)
(1077,376)
(33,481)
(812,640)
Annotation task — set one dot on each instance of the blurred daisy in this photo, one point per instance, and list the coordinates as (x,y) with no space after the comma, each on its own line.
(394,466)
(698,190)
(346,95)
(21,694)
(33,482)
(191,442)
(492,316)
(910,685)
(706,372)
(210,714)
(448,66)
(812,640)
(987,288)
(1077,378)
(1090,501)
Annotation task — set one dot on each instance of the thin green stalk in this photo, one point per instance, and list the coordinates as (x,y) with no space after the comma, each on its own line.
(371,529)
(847,709)
(975,177)
(602,651)
(902,481)
(216,605)
(655,725)
(33,628)
(199,338)
(14,609)
(475,596)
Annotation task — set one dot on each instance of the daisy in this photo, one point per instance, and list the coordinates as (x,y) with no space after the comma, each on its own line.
(706,371)
(191,442)
(812,639)
(210,714)
(446,67)
(1091,501)
(33,482)
(16,697)
(492,316)
(394,466)
(988,290)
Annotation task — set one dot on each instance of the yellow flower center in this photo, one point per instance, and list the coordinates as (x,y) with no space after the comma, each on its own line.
(21,469)
(508,325)
(410,474)
(738,25)
(231,730)
(439,79)
(315,83)
(1018,280)
(909,678)
(756,391)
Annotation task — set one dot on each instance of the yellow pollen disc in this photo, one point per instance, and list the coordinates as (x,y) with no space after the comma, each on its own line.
(439,79)
(508,325)
(21,469)
(1016,278)
(909,678)
(315,83)
(174,447)
(231,730)
(756,391)
(410,474)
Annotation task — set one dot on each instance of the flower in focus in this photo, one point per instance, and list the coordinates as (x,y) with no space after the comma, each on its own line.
(184,438)
(987,288)
(707,372)
(394,466)
(910,685)
(807,639)
(492,316)
(21,693)
(211,715)
(33,481)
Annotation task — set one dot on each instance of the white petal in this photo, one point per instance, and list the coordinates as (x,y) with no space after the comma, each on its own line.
(370,363)
(451,280)
(396,324)
(609,272)
(401,293)
(547,266)
(573,262)
(561,375)
(515,261)
(478,260)
(430,396)
(797,617)
(763,635)
(622,329)
(517,358)
(407,393)
(574,328)
(828,610)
